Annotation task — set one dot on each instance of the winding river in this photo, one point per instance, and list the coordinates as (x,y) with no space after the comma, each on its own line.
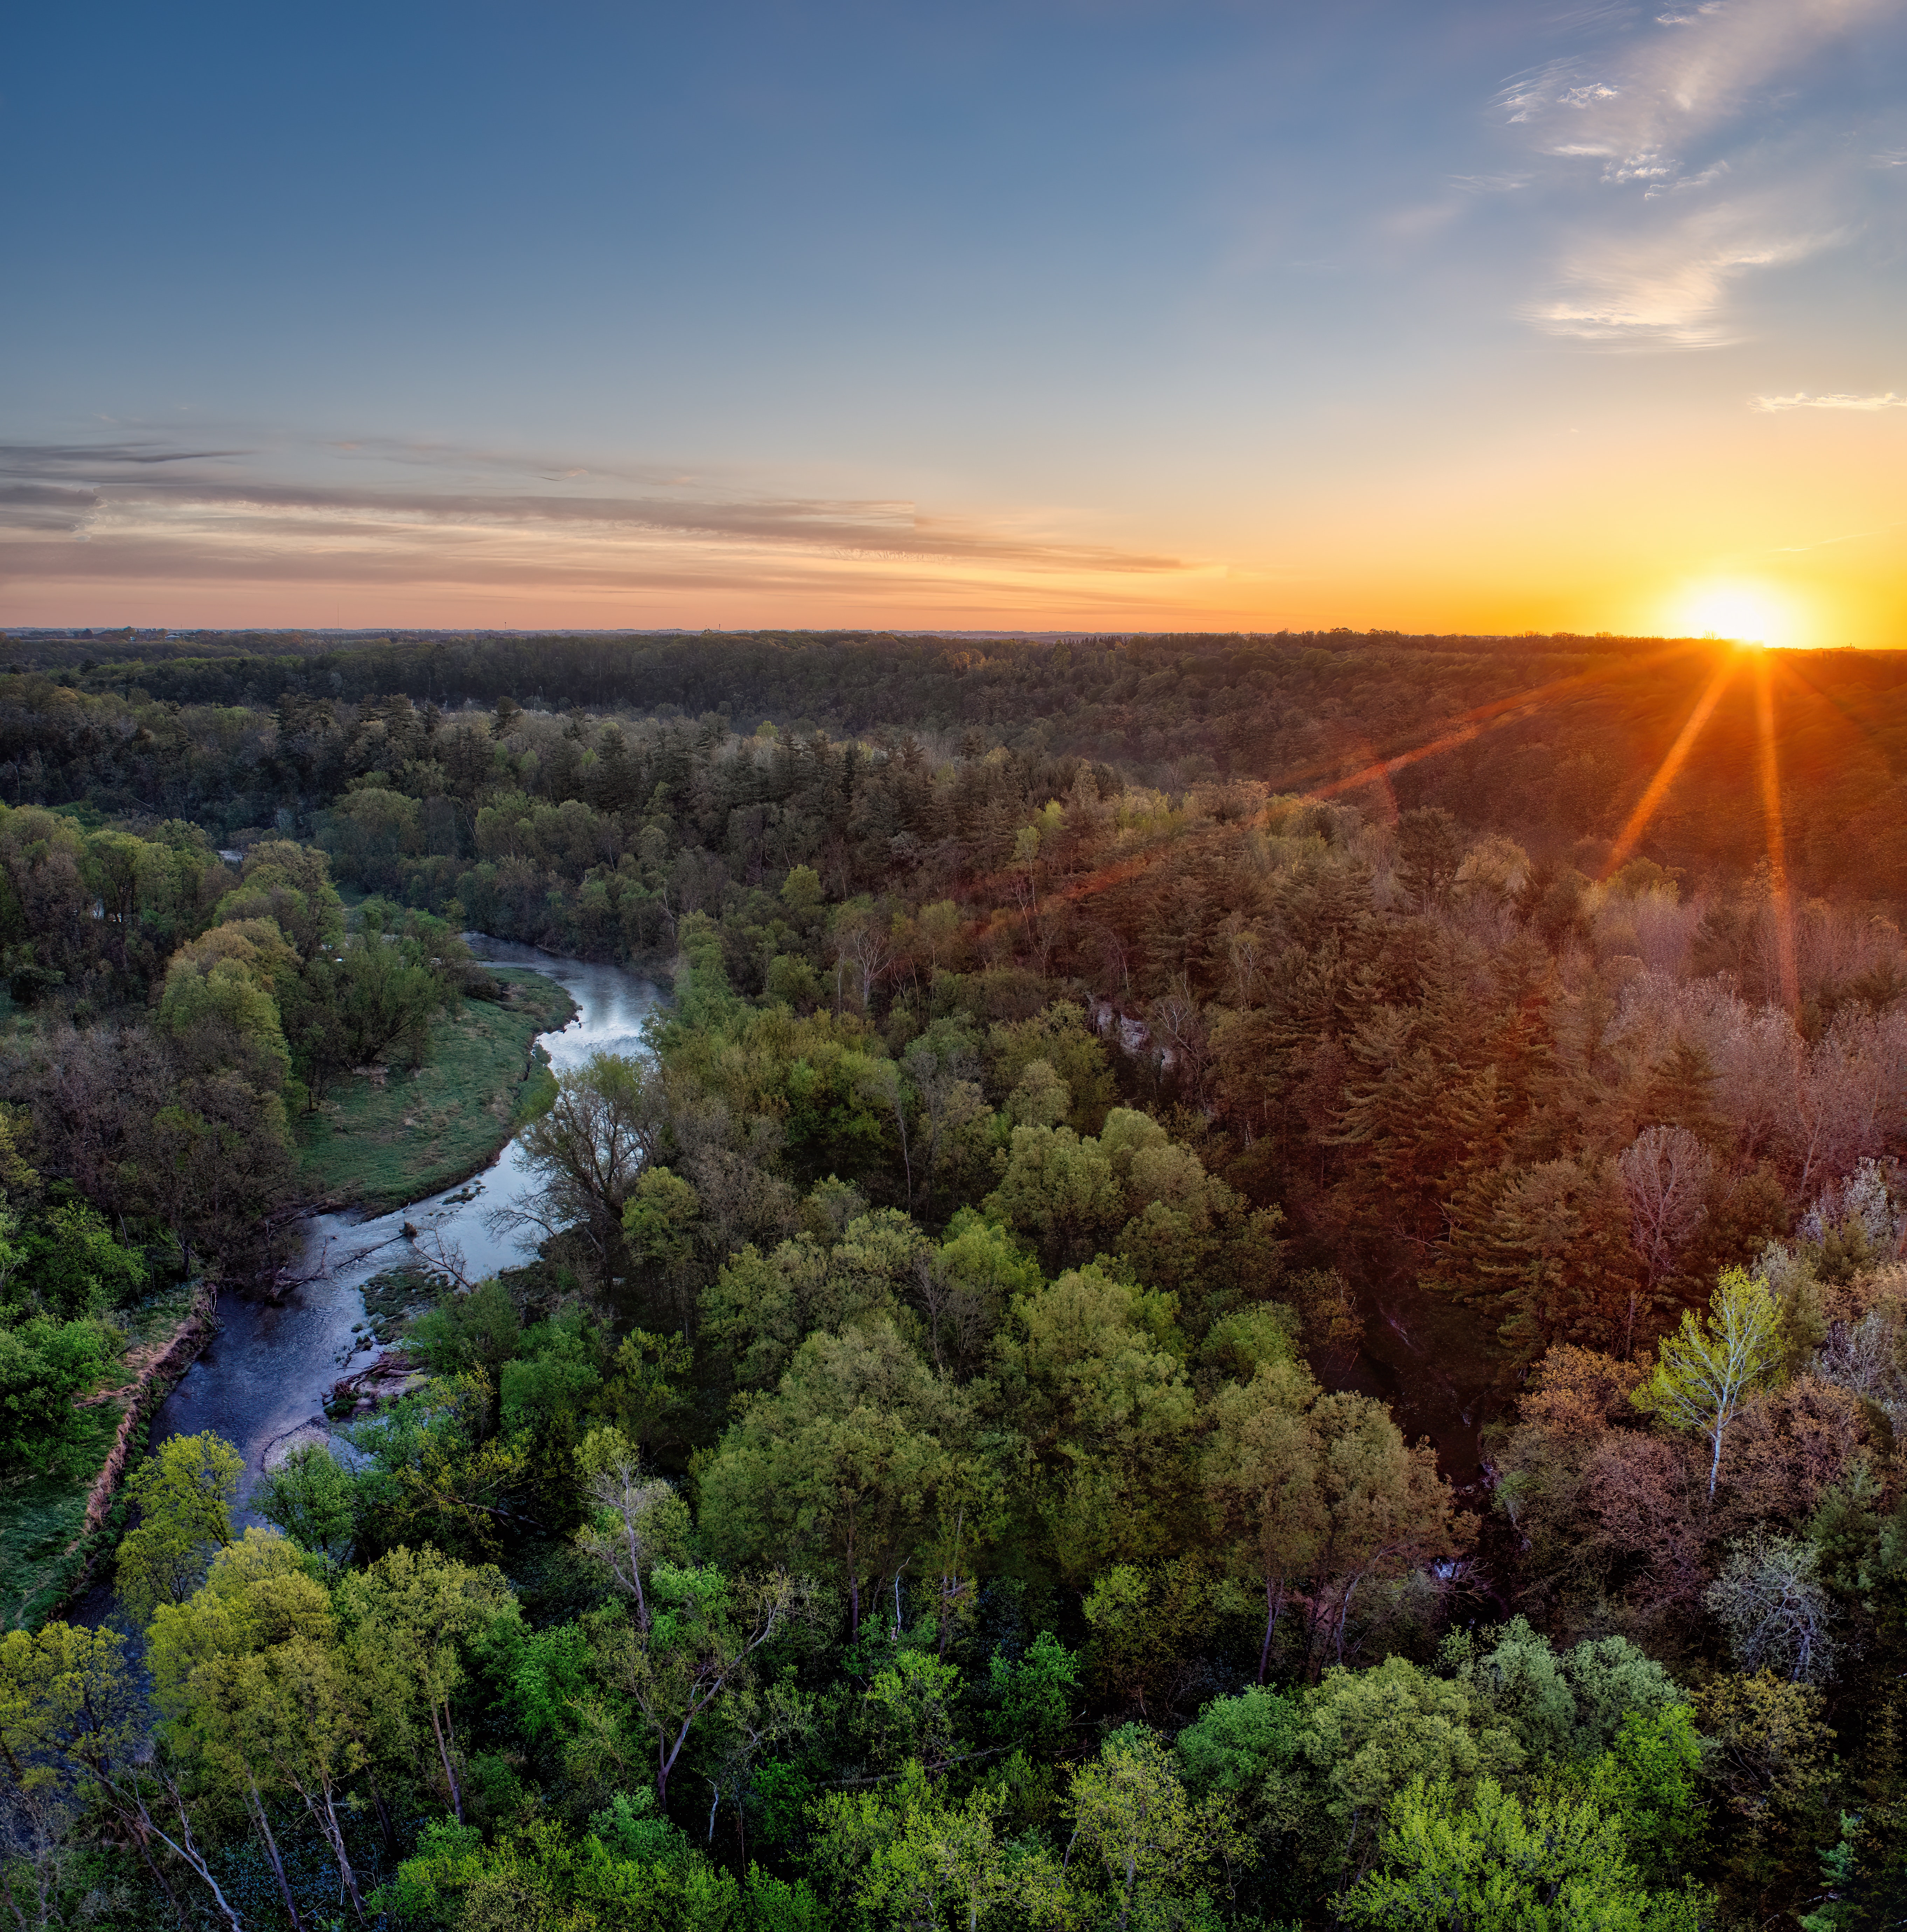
(262,1380)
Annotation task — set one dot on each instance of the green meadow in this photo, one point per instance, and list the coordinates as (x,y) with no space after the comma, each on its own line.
(381,1139)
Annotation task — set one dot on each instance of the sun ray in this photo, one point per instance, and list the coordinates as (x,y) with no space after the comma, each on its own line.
(1665,772)
(1461,730)
(1770,785)
(1472,724)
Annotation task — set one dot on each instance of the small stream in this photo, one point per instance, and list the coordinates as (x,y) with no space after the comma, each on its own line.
(263,1377)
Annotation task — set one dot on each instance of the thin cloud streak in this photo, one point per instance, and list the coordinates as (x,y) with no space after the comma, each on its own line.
(1801,399)
(195,525)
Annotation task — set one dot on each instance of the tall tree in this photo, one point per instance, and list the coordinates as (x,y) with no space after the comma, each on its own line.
(1707,1370)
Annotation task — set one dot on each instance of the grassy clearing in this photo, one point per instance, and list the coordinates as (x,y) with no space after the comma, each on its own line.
(379,1142)
(42,1515)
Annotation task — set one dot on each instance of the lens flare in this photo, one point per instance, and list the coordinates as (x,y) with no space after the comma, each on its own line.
(1770,785)
(1658,788)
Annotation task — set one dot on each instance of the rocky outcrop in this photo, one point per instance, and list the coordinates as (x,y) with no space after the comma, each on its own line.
(393,1374)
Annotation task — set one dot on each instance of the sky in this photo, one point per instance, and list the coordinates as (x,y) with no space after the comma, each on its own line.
(1489,317)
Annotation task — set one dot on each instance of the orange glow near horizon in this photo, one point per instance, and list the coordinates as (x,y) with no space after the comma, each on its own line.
(1688,551)
(1739,611)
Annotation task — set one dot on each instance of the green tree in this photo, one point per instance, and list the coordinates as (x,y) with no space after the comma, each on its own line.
(1650,1778)
(1368,1733)
(1495,1863)
(1090,1378)
(437,1473)
(760,1307)
(839,1468)
(638,1520)
(630,1870)
(184,1493)
(1061,1038)
(218,1001)
(662,1224)
(709,1628)
(1060,1192)
(44,1367)
(313,1498)
(1153,1848)
(73,1266)
(1769,1755)
(1261,1467)
(290,885)
(1386,1512)
(590,1149)
(912,1856)
(247,1673)
(1707,1371)
(72,1714)
(1034,1694)
(963,1287)
(408,1623)
(1252,1748)
(480,1329)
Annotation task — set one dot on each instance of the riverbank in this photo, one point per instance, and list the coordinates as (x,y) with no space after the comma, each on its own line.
(261,1383)
(53,1527)
(384,1138)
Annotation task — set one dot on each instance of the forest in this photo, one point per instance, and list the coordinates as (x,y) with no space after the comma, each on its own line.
(1233,1289)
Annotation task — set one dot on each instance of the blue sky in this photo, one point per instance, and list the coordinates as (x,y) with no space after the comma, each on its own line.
(1489,315)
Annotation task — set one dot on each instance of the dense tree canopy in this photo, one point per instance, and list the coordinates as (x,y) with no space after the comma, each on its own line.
(957,1454)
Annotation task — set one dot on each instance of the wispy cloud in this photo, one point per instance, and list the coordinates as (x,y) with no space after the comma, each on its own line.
(87,459)
(1525,95)
(1801,399)
(1669,288)
(100,512)
(1829,543)
(1676,119)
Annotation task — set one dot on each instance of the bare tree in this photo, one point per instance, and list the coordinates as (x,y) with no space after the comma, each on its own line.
(1865,1357)
(1247,950)
(1769,1599)
(590,1149)
(863,943)
(1666,929)
(1665,1172)
(1176,1019)
(1851,1094)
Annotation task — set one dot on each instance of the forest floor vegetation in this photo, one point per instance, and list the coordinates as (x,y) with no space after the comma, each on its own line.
(398,1134)
(43,1513)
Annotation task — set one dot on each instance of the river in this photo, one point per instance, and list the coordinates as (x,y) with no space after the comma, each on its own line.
(263,1378)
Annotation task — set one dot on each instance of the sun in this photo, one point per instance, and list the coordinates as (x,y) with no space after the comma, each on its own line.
(1740,611)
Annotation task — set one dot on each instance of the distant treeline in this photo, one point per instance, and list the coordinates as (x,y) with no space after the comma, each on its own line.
(1296,711)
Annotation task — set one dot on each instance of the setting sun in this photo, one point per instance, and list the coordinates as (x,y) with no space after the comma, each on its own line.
(1744,613)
